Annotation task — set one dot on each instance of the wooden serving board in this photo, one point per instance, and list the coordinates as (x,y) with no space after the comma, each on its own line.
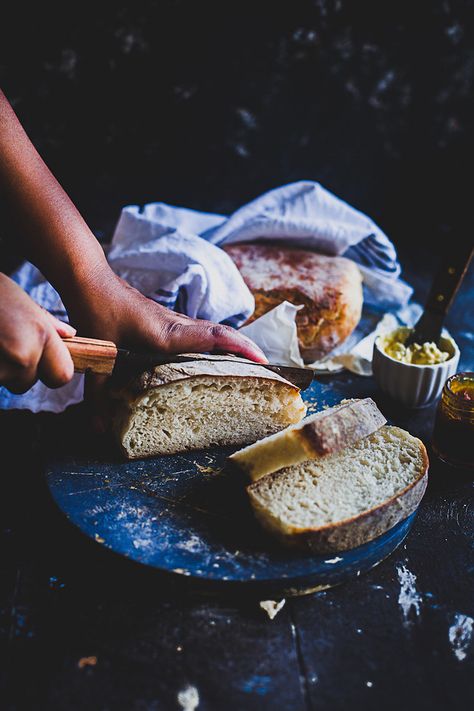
(184,515)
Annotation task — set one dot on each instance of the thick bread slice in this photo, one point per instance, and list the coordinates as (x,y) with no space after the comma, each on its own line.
(179,407)
(343,500)
(324,433)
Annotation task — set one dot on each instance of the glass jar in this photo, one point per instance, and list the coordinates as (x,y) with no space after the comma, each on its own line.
(453,435)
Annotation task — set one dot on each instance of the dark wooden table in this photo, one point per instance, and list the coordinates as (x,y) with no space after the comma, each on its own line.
(81,628)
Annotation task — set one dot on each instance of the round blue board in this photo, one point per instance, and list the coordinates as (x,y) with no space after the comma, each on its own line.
(184,515)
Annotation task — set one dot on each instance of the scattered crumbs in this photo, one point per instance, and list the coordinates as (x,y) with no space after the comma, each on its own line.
(358,630)
(369,684)
(215,471)
(409,598)
(334,560)
(272,607)
(460,634)
(87,662)
(188,698)
(179,649)
(99,539)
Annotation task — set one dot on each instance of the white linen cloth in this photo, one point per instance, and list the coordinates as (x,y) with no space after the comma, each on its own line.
(171,254)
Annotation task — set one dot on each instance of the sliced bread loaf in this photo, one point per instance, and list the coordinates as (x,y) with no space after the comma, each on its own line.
(178,407)
(324,433)
(345,499)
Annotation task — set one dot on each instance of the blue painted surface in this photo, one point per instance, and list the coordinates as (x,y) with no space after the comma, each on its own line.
(186,514)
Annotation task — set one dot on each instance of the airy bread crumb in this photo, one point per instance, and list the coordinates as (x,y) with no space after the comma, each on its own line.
(205,411)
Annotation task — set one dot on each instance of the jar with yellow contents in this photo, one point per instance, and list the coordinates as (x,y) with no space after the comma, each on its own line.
(453,435)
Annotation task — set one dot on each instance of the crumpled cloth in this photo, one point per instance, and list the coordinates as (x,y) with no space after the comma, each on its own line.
(172,255)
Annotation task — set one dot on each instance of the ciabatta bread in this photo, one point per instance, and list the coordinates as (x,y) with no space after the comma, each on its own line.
(341,501)
(329,288)
(320,434)
(203,403)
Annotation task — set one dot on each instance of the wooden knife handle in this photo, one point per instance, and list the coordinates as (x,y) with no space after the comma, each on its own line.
(448,280)
(91,354)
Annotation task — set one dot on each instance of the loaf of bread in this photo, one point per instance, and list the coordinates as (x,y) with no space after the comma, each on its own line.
(343,500)
(202,403)
(328,288)
(318,435)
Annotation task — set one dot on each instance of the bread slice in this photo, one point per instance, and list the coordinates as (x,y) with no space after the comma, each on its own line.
(343,500)
(184,406)
(329,289)
(324,433)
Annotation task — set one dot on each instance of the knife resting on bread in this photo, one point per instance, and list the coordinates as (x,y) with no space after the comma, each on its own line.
(105,358)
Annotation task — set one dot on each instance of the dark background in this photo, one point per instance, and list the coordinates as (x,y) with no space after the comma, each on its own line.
(208,104)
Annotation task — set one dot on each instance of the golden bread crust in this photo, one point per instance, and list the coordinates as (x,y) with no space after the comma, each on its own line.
(329,289)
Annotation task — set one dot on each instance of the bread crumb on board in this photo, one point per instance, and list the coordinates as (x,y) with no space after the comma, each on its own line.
(87,662)
(208,470)
(460,634)
(272,607)
(188,698)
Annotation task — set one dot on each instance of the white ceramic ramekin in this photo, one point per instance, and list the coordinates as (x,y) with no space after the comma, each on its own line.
(413,385)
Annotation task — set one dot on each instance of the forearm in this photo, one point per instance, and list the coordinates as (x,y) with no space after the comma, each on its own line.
(57,240)
(54,235)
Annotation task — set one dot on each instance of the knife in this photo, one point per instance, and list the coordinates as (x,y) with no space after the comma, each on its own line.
(444,288)
(104,358)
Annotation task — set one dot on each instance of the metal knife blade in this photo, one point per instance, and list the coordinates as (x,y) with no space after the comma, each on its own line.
(128,363)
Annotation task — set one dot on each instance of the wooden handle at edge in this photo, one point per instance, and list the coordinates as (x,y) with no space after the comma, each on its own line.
(448,280)
(91,354)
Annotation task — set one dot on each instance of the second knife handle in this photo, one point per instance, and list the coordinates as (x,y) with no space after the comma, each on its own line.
(448,280)
(91,354)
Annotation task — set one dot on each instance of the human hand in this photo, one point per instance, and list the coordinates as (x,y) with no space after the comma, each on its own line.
(30,342)
(110,309)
